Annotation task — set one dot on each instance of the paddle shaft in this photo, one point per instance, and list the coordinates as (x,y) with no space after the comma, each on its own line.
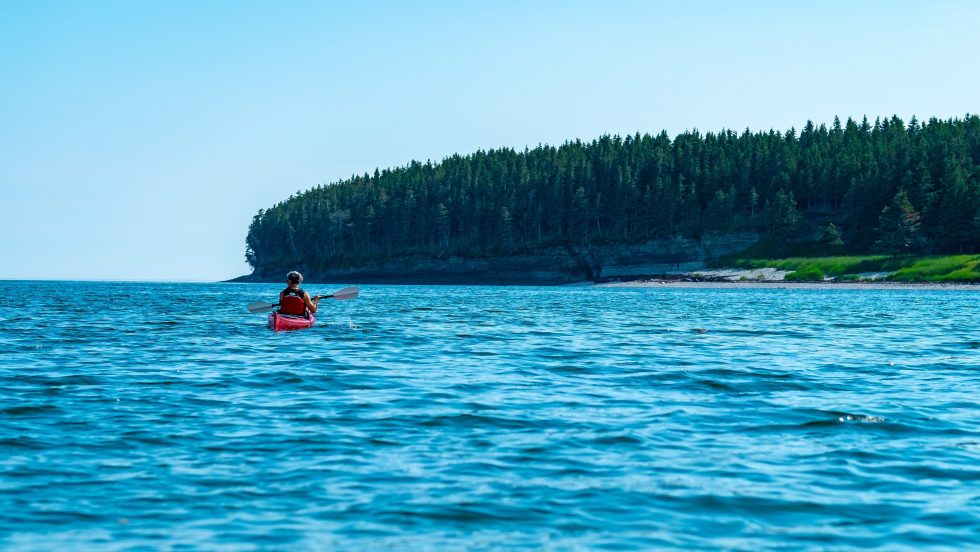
(340,295)
(315,298)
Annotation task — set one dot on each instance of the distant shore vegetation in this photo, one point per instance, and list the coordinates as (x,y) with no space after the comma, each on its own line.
(903,268)
(883,190)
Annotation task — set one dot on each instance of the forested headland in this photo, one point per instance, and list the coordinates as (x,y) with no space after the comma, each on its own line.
(855,187)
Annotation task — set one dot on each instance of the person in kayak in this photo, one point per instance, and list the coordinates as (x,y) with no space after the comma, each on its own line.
(294,300)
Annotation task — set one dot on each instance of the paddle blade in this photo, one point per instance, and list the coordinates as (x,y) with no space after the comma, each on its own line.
(346,293)
(261,306)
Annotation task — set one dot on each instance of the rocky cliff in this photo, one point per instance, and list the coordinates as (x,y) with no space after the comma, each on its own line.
(556,265)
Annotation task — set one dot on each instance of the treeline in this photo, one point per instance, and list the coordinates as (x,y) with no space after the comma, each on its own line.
(856,187)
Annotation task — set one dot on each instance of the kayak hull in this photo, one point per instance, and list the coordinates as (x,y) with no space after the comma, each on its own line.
(286,322)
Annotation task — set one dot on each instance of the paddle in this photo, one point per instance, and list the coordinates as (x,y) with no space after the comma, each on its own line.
(340,295)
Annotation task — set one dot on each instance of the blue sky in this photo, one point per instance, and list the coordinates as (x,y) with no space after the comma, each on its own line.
(138,139)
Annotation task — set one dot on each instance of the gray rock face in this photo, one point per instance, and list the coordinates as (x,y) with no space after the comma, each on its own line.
(673,255)
(555,265)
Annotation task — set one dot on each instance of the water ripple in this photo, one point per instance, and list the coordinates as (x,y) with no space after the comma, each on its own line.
(450,418)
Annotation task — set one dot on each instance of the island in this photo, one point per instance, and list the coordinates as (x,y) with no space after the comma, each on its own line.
(853,201)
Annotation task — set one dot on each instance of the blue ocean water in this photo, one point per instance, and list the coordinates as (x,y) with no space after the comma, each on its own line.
(444,418)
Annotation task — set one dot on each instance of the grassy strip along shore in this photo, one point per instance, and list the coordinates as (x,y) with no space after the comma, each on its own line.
(940,269)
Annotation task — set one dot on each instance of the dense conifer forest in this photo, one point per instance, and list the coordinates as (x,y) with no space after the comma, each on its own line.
(883,186)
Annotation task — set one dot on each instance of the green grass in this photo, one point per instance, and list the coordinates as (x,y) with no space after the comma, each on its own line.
(832,266)
(809,274)
(955,268)
(958,268)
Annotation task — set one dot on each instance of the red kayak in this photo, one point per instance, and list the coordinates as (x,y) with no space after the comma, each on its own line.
(282,322)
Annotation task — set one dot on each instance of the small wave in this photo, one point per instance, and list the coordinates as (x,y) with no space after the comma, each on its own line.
(833,420)
(616,440)
(30,410)
(21,442)
(860,419)
(464,420)
(717,385)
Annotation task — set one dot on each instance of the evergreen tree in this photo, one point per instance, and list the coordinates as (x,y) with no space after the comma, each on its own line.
(442,214)
(898,227)
(781,216)
(580,215)
(958,210)
(506,231)
(718,216)
(831,240)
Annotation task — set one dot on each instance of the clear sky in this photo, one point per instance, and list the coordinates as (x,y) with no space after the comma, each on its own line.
(138,139)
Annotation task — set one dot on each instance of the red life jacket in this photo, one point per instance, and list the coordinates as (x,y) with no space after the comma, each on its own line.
(291,304)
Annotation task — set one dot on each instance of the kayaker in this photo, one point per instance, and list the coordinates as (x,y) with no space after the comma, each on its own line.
(294,300)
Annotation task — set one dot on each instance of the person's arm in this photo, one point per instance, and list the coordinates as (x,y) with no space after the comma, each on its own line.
(311,304)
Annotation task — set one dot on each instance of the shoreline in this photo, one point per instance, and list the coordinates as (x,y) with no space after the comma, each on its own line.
(689,281)
(782,284)
(643,268)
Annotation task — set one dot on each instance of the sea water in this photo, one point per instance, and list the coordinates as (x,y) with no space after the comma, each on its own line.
(443,418)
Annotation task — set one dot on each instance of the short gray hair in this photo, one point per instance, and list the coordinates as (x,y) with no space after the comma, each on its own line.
(294,277)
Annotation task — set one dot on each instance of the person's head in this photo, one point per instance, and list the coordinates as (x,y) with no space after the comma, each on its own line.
(294,278)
